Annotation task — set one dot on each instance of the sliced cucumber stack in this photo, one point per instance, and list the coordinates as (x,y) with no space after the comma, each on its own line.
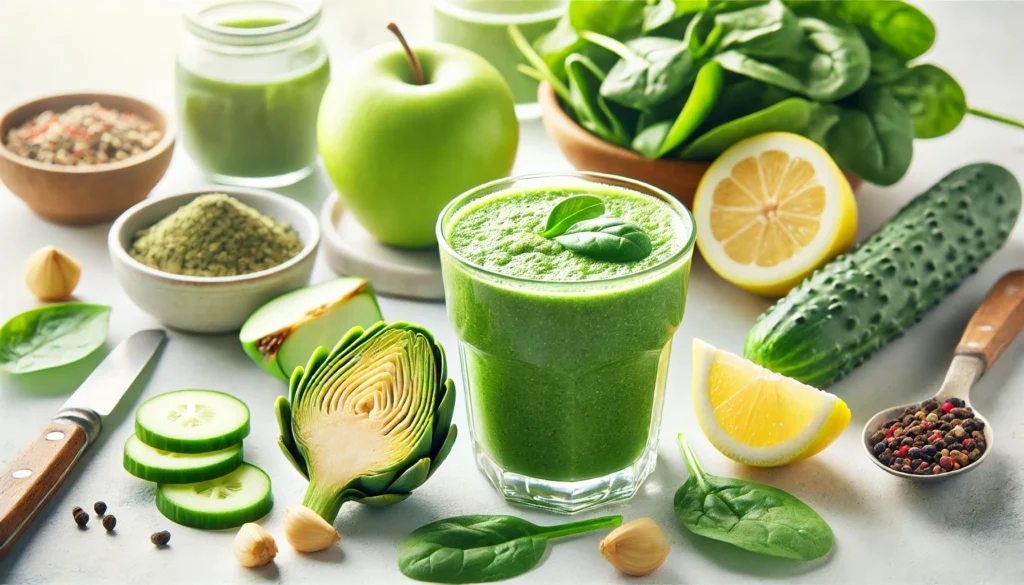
(192,421)
(225,502)
(145,462)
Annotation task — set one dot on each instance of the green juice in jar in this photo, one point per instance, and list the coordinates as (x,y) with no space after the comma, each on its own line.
(251,117)
(482,27)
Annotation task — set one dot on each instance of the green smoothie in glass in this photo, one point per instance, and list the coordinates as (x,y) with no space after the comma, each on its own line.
(564,357)
(482,27)
(249,89)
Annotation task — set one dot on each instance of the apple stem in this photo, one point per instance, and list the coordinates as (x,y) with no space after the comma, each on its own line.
(414,63)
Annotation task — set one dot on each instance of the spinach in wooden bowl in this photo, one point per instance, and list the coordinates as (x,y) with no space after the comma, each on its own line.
(686,79)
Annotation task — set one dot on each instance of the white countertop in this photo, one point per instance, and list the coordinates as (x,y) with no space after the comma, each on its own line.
(967,530)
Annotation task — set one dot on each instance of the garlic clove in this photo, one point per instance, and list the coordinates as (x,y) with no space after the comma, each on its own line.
(51,274)
(254,547)
(306,531)
(636,548)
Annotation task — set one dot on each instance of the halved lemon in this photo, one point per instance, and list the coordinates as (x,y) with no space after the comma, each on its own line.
(758,417)
(770,210)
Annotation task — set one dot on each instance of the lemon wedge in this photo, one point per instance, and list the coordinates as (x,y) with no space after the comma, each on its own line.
(770,210)
(758,417)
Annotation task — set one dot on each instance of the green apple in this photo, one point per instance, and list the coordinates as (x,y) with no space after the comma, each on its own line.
(282,334)
(398,150)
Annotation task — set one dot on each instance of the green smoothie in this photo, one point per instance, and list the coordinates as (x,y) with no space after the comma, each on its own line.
(253,117)
(564,356)
(482,27)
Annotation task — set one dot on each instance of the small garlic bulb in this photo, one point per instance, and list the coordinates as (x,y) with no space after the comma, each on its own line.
(306,531)
(254,547)
(51,275)
(636,548)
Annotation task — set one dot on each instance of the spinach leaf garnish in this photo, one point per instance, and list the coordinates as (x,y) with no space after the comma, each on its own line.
(752,516)
(480,549)
(52,336)
(570,211)
(607,238)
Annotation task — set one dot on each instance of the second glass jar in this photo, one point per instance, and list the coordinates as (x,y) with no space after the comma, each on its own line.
(250,77)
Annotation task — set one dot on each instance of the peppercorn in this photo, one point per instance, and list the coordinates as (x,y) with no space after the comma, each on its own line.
(75,511)
(906,442)
(904,450)
(160,538)
(973,455)
(929,451)
(100,508)
(960,457)
(957,403)
(81,518)
(878,436)
(945,426)
(109,522)
(937,469)
(906,469)
(946,417)
(879,447)
(915,453)
(932,418)
(948,406)
(930,438)
(970,425)
(946,463)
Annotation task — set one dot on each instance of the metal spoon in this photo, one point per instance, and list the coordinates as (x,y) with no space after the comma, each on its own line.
(988,333)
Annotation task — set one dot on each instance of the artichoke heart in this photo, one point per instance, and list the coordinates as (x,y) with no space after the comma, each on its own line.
(370,420)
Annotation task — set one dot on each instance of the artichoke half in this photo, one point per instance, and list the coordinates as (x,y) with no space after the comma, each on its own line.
(370,420)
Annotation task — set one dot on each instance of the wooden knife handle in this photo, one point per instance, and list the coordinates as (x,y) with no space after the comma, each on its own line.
(35,475)
(997,320)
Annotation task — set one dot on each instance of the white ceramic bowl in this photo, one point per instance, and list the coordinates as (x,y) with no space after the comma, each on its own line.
(210,304)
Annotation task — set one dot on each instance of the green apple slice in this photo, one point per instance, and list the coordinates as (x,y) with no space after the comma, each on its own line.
(282,334)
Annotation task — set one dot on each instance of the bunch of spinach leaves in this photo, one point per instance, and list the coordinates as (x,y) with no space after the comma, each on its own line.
(687,79)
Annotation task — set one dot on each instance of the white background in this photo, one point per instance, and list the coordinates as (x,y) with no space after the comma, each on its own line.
(967,530)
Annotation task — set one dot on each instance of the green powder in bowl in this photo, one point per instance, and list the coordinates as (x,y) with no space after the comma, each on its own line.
(215,235)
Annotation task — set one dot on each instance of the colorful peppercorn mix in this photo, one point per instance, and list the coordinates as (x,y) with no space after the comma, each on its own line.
(931,438)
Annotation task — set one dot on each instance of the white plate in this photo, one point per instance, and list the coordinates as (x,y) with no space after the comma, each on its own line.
(351,250)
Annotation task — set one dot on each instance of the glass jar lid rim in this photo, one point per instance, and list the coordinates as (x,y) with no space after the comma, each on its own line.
(305,16)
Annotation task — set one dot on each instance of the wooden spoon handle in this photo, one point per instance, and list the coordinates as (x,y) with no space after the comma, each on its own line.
(32,477)
(997,320)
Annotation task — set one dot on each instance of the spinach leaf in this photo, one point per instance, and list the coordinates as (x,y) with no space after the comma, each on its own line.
(651,70)
(823,118)
(790,115)
(899,25)
(537,64)
(752,516)
(874,137)
(610,239)
(833,63)
(664,137)
(886,64)
(570,211)
(617,19)
(763,30)
(592,110)
(480,549)
(556,45)
(934,99)
(670,18)
(740,97)
(52,336)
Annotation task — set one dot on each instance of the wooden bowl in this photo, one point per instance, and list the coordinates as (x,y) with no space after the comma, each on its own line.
(587,152)
(80,195)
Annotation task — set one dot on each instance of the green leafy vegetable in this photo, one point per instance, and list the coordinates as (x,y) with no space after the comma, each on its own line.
(570,211)
(607,238)
(651,70)
(899,25)
(874,137)
(666,136)
(848,61)
(752,516)
(481,549)
(52,336)
(934,99)
(537,63)
(790,115)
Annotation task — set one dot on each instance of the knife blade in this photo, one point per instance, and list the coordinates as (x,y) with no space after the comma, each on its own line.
(28,482)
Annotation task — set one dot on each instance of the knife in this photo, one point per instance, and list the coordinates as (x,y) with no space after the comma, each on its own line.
(35,475)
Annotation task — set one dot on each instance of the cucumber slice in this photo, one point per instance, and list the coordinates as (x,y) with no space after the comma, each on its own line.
(225,502)
(145,462)
(192,421)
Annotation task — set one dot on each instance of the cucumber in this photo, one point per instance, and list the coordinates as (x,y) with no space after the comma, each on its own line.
(145,462)
(192,421)
(848,309)
(225,502)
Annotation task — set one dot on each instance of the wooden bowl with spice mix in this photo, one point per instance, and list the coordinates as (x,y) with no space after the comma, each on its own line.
(83,158)
(203,261)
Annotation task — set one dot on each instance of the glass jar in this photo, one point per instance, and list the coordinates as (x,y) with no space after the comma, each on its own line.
(482,27)
(565,380)
(250,76)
